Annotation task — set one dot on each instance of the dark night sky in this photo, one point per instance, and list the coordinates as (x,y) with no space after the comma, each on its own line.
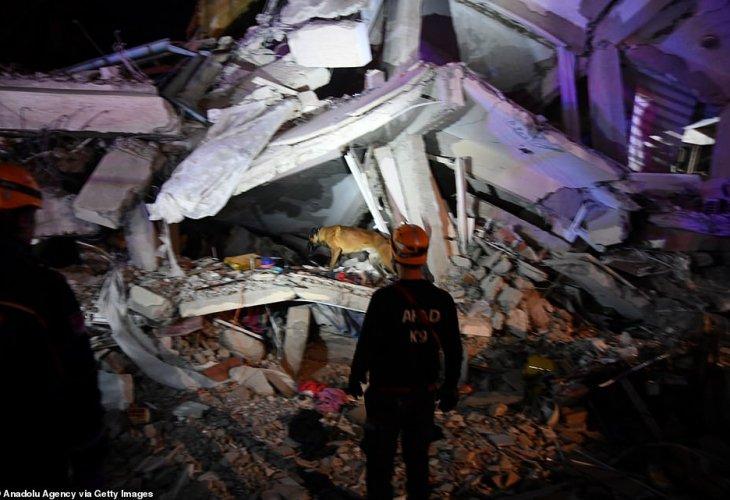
(40,35)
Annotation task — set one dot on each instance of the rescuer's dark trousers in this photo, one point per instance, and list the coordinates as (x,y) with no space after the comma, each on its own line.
(389,415)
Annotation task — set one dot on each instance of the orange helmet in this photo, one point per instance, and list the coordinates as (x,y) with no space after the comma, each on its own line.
(410,245)
(18,188)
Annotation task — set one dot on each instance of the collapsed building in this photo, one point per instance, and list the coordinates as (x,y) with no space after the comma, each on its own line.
(568,159)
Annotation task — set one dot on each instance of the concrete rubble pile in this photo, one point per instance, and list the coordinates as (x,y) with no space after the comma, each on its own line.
(576,275)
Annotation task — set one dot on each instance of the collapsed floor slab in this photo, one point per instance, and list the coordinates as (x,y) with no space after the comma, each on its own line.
(48,105)
(264,288)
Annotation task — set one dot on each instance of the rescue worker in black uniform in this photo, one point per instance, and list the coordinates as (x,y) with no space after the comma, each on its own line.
(406,325)
(51,420)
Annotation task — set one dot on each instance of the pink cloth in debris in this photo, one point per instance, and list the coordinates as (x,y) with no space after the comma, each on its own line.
(330,400)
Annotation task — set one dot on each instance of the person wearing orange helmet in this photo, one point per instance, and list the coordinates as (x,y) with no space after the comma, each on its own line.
(53,416)
(406,325)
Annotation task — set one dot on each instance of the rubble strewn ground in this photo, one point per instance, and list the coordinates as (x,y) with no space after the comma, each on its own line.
(545,359)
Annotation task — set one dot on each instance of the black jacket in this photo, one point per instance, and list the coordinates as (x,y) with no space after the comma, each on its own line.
(406,325)
(47,369)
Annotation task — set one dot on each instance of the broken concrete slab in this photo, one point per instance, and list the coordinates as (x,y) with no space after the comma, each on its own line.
(149,304)
(331,44)
(282,382)
(295,339)
(607,227)
(511,150)
(88,108)
(299,11)
(249,348)
(525,229)
(121,176)
(322,138)
(293,75)
(310,288)
(202,184)
(265,288)
(117,390)
(252,378)
(602,286)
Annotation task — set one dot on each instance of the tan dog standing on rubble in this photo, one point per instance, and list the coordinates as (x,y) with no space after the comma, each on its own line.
(346,240)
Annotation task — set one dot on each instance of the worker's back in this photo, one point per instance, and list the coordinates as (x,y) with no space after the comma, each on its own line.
(407,323)
(47,370)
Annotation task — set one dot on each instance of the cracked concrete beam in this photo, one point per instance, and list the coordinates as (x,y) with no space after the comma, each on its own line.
(323,137)
(32,106)
(565,20)
(625,18)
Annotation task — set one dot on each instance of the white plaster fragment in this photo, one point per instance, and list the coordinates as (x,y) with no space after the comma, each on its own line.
(342,44)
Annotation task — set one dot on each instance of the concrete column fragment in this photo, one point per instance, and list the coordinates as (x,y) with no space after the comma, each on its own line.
(402,33)
(391,178)
(423,201)
(120,177)
(568,93)
(606,94)
(295,340)
(141,238)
